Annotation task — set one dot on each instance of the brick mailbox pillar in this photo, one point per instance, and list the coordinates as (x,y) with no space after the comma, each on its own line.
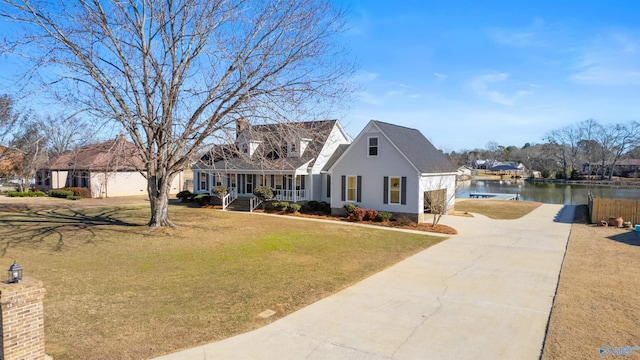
(22,320)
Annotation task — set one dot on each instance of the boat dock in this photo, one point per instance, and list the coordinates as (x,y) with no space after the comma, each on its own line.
(494,196)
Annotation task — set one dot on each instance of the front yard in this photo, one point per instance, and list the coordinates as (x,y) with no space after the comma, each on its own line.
(116,291)
(597,306)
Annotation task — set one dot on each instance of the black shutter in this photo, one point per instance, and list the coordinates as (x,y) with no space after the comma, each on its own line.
(273,181)
(359,189)
(344,188)
(302,187)
(328,186)
(385,192)
(403,191)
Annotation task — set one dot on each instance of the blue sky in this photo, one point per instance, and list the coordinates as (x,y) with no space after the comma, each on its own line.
(468,72)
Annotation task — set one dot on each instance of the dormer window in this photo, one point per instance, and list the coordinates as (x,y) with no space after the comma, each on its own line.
(373,146)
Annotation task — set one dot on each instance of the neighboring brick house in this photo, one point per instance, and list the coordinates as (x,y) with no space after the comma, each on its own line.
(110,168)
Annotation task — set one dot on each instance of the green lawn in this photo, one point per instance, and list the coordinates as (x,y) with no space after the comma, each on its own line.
(496,209)
(116,291)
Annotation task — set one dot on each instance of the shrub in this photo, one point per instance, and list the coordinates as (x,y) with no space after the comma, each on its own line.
(282,205)
(25,193)
(264,193)
(59,193)
(384,216)
(349,207)
(220,191)
(185,196)
(293,208)
(370,214)
(546,173)
(325,207)
(358,214)
(79,191)
(313,205)
(74,197)
(202,199)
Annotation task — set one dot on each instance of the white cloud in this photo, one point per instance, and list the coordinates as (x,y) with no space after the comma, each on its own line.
(612,59)
(497,88)
(533,35)
(365,76)
(440,77)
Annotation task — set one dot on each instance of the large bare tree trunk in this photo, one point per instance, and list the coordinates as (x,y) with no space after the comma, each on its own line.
(175,74)
(158,187)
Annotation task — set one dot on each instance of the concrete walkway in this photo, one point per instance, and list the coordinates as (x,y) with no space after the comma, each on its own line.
(486,293)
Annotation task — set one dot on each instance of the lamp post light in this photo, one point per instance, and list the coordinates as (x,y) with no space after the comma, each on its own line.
(15,273)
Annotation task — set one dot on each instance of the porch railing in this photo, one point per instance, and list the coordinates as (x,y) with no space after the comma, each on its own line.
(291,195)
(228,199)
(253,203)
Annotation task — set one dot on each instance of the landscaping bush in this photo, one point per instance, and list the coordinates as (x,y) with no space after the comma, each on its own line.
(313,205)
(370,214)
(282,205)
(264,193)
(294,208)
(325,207)
(384,216)
(25,193)
(74,197)
(358,214)
(59,193)
(349,207)
(79,191)
(202,199)
(185,196)
(220,191)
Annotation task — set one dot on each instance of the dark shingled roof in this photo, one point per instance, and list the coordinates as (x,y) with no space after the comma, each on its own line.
(420,152)
(271,154)
(334,157)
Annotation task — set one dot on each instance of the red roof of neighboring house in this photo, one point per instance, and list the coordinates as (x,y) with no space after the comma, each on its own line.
(113,155)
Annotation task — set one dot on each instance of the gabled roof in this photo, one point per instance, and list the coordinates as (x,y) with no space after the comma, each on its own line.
(112,155)
(271,153)
(335,156)
(416,148)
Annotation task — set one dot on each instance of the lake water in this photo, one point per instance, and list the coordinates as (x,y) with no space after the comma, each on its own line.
(546,193)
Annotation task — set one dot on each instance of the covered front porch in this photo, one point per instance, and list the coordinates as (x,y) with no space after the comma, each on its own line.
(286,187)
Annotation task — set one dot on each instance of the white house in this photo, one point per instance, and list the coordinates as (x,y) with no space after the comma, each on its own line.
(391,168)
(288,157)
(386,168)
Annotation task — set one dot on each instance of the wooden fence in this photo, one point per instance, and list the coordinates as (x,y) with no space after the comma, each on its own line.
(602,209)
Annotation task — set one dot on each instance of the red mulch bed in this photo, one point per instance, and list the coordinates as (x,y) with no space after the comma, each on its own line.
(442,229)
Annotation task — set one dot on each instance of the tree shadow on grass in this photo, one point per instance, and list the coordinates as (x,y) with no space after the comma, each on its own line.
(34,228)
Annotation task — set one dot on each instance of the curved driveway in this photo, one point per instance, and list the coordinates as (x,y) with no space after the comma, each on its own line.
(485,293)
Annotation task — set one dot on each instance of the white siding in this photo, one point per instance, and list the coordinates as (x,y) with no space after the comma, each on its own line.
(128,183)
(430,182)
(389,162)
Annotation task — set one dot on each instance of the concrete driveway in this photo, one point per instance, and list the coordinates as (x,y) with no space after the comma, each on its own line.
(486,293)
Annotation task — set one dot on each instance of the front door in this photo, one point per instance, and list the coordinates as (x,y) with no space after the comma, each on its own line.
(249,184)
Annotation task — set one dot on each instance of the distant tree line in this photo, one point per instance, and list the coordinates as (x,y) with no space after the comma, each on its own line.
(28,141)
(571,152)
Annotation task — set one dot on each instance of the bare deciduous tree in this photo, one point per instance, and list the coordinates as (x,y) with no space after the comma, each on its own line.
(173,73)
